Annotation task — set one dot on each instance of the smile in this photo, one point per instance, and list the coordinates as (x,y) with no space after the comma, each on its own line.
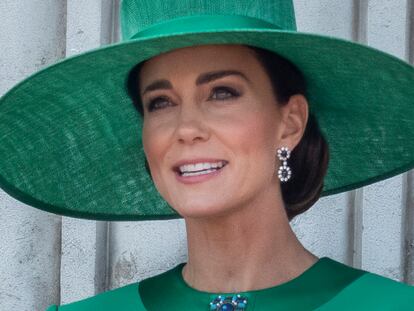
(195,173)
(185,174)
(200,168)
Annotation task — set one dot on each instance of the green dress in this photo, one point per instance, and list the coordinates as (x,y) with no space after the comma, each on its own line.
(326,285)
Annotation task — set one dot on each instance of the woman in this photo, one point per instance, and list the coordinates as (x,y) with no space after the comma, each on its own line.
(232,145)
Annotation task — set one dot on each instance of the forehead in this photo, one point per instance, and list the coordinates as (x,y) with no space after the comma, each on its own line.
(199,58)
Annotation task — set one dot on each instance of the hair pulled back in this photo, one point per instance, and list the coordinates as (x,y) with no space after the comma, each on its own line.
(308,160)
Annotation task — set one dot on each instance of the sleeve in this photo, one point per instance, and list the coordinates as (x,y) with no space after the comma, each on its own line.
(373,292)
(125,298)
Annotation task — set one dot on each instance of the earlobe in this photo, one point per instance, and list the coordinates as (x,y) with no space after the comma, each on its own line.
(295,118)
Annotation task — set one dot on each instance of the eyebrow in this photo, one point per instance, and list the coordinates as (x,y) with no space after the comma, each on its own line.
(158,85)
(214,75)
(204,78)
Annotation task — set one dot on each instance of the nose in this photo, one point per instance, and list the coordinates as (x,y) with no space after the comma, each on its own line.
(191,125)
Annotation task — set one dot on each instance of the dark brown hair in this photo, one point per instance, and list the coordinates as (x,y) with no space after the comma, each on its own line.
(308,160)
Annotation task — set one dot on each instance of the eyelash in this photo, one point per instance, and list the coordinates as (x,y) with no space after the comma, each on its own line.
(233,94)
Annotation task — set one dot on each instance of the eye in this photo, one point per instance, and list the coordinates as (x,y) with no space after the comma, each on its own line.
(158,103)
(223,93)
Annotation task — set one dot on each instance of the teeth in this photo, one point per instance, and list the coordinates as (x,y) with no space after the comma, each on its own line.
(190,168)
(198,173)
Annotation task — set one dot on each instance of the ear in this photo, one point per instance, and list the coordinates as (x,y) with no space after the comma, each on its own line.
(294,117)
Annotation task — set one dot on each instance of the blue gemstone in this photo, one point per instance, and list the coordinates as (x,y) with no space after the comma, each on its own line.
(227,307)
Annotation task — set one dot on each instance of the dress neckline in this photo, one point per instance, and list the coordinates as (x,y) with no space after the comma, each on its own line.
(312,288)
(309,273)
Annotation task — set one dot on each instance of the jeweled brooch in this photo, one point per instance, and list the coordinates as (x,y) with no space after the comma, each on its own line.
(228,303)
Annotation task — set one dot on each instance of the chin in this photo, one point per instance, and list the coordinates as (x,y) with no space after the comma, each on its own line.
(195,211)
(202,210)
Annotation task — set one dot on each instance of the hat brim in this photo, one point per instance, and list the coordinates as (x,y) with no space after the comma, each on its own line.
(70,138)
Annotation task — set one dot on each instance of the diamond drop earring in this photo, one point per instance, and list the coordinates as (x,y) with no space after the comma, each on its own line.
(284,173)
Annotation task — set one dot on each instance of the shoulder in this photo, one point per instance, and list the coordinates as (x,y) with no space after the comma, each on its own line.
(382,284)
(376,285)
(123,298)
(372,291)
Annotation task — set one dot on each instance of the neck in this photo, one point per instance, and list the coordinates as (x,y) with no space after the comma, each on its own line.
(252,249)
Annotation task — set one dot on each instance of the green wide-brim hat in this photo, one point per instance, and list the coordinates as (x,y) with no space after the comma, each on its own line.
(70,137)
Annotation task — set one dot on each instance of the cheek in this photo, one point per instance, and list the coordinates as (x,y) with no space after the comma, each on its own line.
(255,134)
(153,142)
(251,139)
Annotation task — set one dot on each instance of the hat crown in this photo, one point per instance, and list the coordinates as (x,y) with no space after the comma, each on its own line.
(138,15)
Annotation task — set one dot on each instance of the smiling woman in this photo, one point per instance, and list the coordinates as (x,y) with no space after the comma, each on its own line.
(309,159)
(239,115)
(220,106)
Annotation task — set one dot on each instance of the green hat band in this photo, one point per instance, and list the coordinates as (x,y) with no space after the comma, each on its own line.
(203,23)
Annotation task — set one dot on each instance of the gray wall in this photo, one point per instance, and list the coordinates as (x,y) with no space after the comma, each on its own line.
(49,259)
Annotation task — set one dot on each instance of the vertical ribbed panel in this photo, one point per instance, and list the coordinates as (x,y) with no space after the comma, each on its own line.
(408,230)
(383,202)
(325,228)
(50,259)
(142,249)
(32,36)
(359,34)
(408,189)
(90,24)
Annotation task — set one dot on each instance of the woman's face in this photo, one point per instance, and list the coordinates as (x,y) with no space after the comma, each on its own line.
(204,107)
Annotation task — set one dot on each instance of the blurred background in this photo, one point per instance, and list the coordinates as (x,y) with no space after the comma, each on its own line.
(46,258)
